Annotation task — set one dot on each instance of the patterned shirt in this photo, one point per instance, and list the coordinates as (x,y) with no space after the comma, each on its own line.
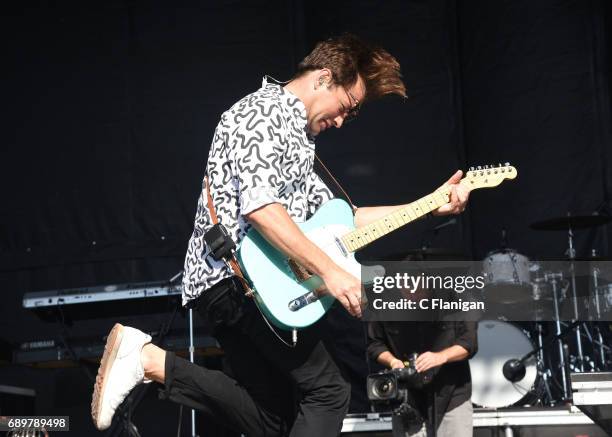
(260,154)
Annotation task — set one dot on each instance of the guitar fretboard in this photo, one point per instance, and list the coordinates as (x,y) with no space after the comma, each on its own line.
(365,235)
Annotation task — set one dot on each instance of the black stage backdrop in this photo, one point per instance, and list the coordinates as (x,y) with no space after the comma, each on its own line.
(110,108)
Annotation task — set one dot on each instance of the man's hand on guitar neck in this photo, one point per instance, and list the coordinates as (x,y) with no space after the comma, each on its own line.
(459,195)
(275,224)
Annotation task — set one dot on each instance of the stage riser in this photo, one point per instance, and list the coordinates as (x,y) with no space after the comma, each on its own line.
(522,431)
(527,422)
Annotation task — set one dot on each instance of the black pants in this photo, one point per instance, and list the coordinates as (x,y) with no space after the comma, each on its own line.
(260,401)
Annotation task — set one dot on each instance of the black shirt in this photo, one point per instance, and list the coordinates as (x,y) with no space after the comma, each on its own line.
(452,383)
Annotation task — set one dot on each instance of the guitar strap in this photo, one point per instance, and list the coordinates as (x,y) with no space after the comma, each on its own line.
(235,266)
(350,202)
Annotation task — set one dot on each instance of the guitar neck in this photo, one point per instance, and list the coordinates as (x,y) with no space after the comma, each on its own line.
(487,177)
(367,234)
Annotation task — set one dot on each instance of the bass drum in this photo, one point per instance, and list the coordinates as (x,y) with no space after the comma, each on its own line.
(499,342)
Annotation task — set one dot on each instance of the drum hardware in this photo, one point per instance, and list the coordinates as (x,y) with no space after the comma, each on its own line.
(608,300)
(514,369)
(543,296)
(566,358)
(554,278)
(426,253)
(599,348)
(569,223)
(543,371)
(548,291)
(509,274)
(595,274)
(432,233)
(572,255)
(588,362)
(590,333)
(606,291)
(602,353)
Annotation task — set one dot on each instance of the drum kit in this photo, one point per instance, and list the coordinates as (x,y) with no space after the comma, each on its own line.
(529,363)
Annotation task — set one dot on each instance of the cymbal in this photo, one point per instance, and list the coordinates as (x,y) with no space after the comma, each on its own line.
(430,253)
(575,222)
(564,258)
(592,258)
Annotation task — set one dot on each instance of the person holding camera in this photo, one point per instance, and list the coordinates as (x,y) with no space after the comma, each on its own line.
(440,403)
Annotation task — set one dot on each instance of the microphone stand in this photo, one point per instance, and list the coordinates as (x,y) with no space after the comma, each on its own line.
(191,358)
(514,369)
(426,243)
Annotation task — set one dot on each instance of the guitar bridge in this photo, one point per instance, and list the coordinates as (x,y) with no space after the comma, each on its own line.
(303,300)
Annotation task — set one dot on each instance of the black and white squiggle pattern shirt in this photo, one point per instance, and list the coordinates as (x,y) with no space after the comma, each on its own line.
(260,154)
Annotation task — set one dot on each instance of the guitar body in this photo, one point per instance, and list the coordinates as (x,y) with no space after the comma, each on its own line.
(274,280)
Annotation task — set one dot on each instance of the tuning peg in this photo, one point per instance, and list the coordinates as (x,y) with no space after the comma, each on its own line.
(471,169)
(507,164)
(499,164)
(479,168)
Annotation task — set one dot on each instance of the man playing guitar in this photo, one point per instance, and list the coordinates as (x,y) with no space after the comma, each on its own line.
(260,174)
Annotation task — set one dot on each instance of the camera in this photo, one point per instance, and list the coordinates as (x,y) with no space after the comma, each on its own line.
(388,386)
(390,390)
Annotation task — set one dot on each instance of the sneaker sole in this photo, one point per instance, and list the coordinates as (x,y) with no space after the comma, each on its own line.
(108,358)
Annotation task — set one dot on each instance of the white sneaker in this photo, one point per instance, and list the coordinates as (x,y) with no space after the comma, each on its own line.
(119,372)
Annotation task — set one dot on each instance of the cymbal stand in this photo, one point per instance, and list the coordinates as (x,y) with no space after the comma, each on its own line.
(554,279)
(571,252)
(602,353)
(541,366)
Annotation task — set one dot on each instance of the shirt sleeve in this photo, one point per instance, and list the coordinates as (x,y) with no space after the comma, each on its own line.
(257,144)
(377,340)
(318,193)
(467,337)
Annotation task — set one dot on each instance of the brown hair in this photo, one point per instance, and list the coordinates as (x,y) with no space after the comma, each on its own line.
(348,56)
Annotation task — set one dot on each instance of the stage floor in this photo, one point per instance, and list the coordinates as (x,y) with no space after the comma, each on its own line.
(525,421)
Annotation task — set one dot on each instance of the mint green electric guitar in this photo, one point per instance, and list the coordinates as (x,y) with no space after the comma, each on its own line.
(285,292)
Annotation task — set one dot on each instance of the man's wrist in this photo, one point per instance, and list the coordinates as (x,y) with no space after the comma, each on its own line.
(392,362)
(444,356)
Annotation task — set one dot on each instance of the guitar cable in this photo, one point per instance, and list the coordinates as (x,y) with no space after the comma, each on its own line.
(294,335)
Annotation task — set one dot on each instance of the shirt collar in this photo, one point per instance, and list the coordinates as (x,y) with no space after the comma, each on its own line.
(295,106)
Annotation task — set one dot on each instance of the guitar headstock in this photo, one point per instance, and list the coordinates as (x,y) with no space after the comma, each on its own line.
(489,175)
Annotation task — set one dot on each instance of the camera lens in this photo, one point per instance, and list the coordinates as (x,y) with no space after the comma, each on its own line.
(383,388)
